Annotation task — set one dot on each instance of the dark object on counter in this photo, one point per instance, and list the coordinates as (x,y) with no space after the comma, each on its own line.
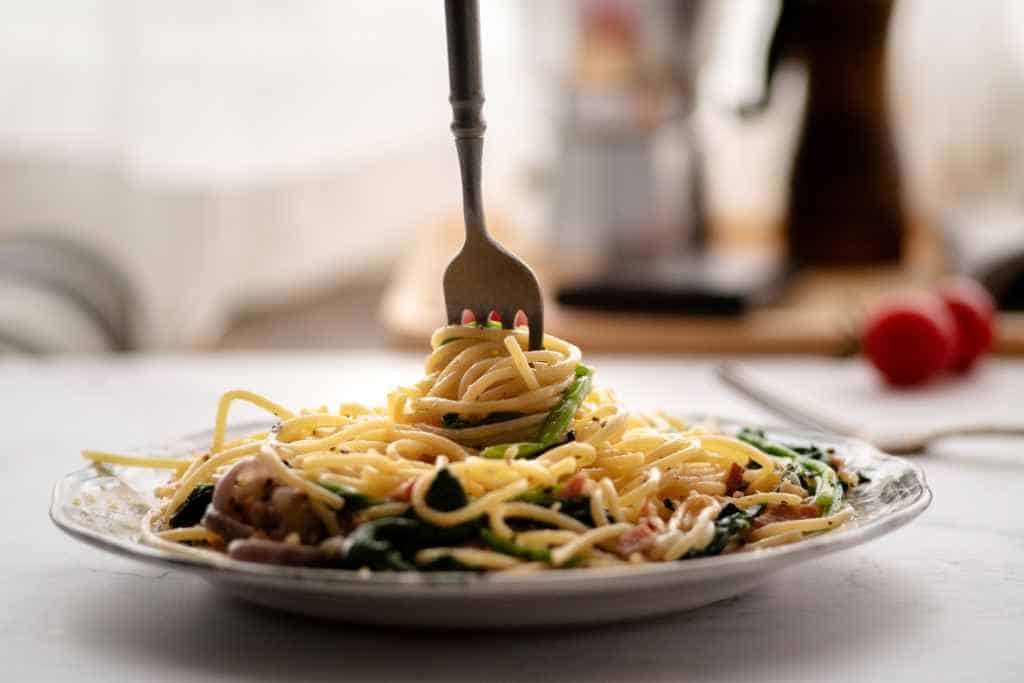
(704,284)
(845,203)
(987,244)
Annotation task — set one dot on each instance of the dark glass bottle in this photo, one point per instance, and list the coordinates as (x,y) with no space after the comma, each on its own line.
(845,202)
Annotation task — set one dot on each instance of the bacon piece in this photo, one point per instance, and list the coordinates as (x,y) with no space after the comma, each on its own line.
(786,513)
(636,540)
(404,491)
(576,486)
(734,480)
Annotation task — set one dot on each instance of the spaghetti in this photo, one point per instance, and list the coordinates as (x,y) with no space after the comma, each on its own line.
(498,459)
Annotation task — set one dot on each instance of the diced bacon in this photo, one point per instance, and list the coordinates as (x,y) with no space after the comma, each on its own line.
(786,513)
(734,480)
(576,486)
(404,492)
(636,540)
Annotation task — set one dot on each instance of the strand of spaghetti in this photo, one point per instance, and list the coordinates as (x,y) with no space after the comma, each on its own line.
(151,538)
(539,399)
(763,481)
(564,553)
(584,453)
(382,510)
(189,533)
(501,378)
(611,497)
(697,538)
(473,373)
(135,461)
(487,434)
(463,514)
(202,473)
(344,480)
(741,451)
(248,438)
(327,517)
(226,399)
(524,568)
(652,482)
(670,445)
(537,513)
(470,557)
(349,459)
(268,455)
(803,525)
(347,430)
(766,499)
(522,365)
(444,446)
(777,539)
(597,558)
(610,431)
(496,520)
(448,379)
(545,538)
(563,468)
(621,464)
(597,507)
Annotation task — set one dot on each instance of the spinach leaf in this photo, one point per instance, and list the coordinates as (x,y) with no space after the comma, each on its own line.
(758,439)
(446,494)
(382,544)
(190,512)
(577,507)
(510,547)
(555,429)
(732,524)
(354,500)
(814,473)
(456,421)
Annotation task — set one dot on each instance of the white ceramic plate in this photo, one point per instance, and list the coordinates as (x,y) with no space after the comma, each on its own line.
(104,505)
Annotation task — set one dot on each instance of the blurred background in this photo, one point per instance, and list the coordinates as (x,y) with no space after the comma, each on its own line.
(725,175)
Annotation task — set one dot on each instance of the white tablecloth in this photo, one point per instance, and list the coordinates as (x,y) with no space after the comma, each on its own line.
(942,599)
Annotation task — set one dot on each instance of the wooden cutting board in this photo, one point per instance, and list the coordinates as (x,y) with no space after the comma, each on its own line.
(817,315)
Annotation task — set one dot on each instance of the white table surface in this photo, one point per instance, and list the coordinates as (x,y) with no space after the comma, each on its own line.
(942,599)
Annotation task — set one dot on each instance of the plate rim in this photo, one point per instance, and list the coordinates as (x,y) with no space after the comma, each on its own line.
(458,583)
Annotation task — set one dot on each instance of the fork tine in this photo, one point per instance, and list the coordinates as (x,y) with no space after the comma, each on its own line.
(508,316)
(535,318)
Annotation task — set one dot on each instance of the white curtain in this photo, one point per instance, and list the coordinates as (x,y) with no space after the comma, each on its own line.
(235,151)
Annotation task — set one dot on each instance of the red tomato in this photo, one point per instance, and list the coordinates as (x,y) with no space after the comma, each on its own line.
(909,337)
(974,312)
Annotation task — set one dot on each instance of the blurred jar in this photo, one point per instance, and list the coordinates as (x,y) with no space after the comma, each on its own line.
(627,180)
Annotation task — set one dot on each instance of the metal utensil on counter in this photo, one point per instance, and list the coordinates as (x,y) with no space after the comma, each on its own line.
(907,443)
(483,276)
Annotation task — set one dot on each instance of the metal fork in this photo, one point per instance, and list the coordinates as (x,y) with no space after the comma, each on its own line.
(483,276)
(907,443)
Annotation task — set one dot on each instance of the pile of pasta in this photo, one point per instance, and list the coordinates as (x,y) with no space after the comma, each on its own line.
(499,459)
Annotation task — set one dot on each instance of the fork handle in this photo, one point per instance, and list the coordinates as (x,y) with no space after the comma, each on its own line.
(462,18)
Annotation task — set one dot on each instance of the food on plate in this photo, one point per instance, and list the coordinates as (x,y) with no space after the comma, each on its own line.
(498,459)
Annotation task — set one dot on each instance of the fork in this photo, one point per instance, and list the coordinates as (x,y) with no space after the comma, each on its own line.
(483,276)
(907,443)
